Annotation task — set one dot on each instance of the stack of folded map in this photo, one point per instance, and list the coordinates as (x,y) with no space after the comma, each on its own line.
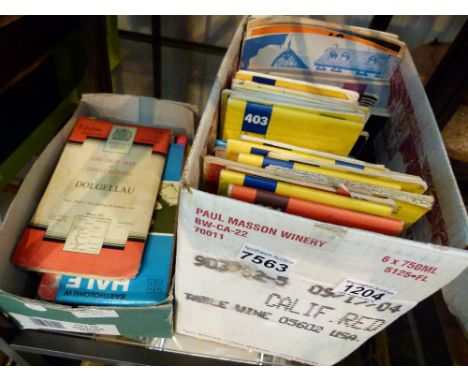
(292,120)
(105,224)
(348,57)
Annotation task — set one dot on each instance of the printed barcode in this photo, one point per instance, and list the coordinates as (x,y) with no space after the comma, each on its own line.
(47,323)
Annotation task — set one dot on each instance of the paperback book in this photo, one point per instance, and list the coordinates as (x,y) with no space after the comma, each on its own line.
(152,283)
(95,214)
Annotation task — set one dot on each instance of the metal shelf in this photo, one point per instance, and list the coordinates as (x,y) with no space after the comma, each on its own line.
(427,335)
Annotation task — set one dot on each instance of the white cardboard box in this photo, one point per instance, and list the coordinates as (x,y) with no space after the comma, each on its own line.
(18,287)
(221,298)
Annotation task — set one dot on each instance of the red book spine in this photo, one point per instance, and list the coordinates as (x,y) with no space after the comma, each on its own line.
(91,128)
(48,287)
(317,211)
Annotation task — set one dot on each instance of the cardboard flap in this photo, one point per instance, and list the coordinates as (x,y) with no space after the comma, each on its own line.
(153,321)
(411,142)
(209,123)
(146,111)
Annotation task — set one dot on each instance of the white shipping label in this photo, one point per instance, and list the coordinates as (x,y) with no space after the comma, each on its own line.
(63,326)
(363,290)
(267,261)
(95,313)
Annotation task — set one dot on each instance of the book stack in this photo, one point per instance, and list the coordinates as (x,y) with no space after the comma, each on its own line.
(285,143)
(103,231)
(348,57)
(255,108)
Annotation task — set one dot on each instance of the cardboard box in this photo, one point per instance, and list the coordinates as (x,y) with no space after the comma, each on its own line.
(300,315)
(18,288)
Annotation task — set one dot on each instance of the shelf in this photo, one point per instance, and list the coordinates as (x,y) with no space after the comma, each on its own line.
(428,335)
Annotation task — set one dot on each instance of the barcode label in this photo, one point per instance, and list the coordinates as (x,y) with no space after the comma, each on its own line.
(42,323)
(47,323)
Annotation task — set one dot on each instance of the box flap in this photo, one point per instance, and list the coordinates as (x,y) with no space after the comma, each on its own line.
(411,142)
(142,110)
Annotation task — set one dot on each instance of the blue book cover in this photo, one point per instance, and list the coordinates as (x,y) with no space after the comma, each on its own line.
(152,283)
